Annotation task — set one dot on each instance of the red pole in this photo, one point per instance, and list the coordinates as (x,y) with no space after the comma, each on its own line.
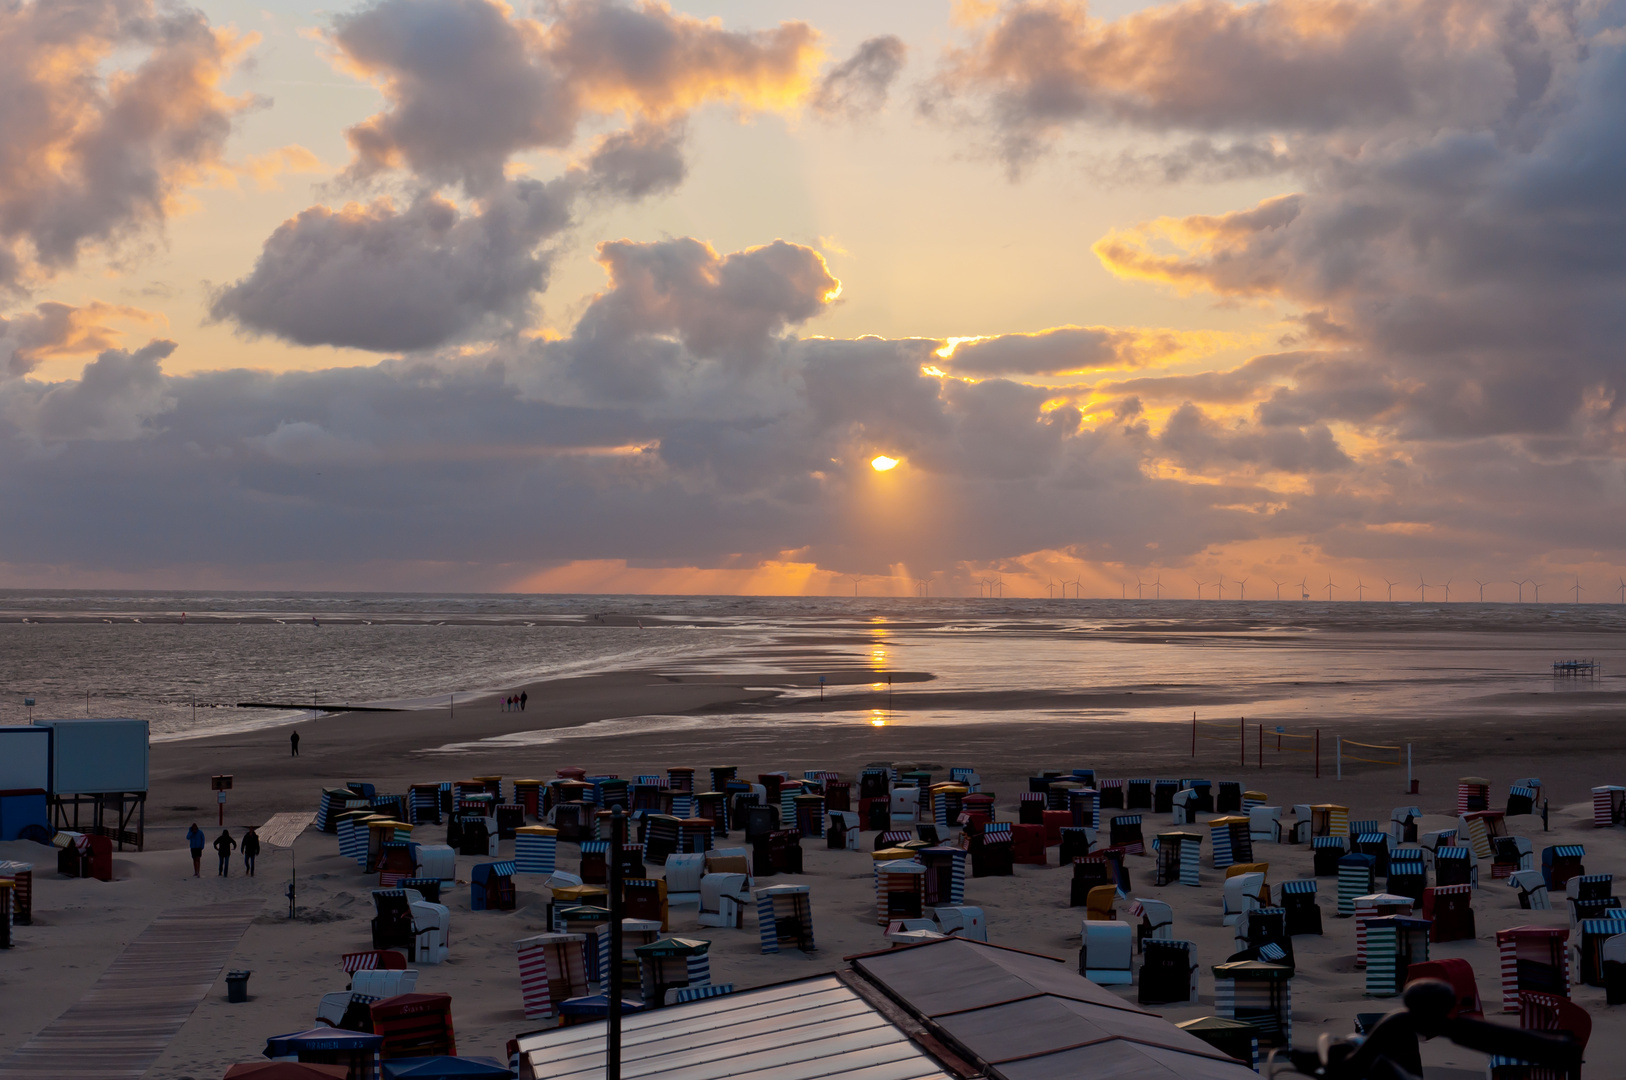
(1318,753)
(1242,742)
(1194,734)
(1261,746)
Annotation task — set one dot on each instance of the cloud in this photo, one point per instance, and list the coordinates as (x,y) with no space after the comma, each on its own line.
(858,86)
(114,400)
(1197,442)
(1072,349)
(468,84)
(1336,70)
(646,159)
(109,109)
(385,278)
(55,330)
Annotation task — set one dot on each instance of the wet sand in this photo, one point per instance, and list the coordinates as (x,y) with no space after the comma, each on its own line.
(640,722)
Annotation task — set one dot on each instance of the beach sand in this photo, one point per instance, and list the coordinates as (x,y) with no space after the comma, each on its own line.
(646,722)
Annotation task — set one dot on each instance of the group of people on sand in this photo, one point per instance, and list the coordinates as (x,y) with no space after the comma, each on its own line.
(224,845)
(515,702)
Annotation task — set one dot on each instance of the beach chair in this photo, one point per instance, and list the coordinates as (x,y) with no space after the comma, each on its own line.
(1163,793)
(431,932)
(1251,799)
(491,887)
(1084,804)
(1100,904)
(1561,862)
(900,890)
(1168,972)
(1593,934)
(1156,921)
(1261,934)
(976,811)
(1228,800)
(1612,957)
(1455,866)
(1478,829)
(1232,841)
(395,863)
(1547,1013)
(695,834)
(634,932)
(961,921)
(1112,794)
(552,969)
(1054,822)
(1328,819)
(785,917)
(723,899)
(1243,893)
(905,806)
(22,893)
(1234,1038)
(1030,808)
(1403,824)
(536,849)
(842,834)
(392,920)
(757,820)
(1408,874)
(1608,806)
(1028,846)
(1264,824)
(1375,844)
(1298,900)
(1076,840)
(1260,993)
(714,807)
(378,983)
(1205,793)
(1178,854)
(1521,800)
(1183,807)
(671,965)
(1325,853)
(1450,911)
(660,837)
(838,795)
(1125,832)
(645,898)
(1088,875)
(683,876)
(780,852)
(1138,795)
(1532,886)
(945,875)
(809,815)
(1393,944)
(991,854)
(1107,954)
(1591,896)
(1460,974)
(1431,842)
(1534,958)
(1510,854)
(1473,793)
(414,1025)
(1375,906)
(1355,878)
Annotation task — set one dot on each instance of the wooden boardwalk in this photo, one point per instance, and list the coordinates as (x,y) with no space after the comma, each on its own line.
(124,1022)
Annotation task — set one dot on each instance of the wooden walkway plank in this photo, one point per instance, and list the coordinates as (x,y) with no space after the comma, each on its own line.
(123,1023)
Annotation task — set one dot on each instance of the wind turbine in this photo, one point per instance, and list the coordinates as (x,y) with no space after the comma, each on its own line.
(1360,589)
(1576,589)
(1304,591)
(1078,590)
(999,584)
(1448,590)
(1158,585)
(1243,585)
(1123,589)
(923,587)
(856,579)
(1220,582)
(1139,585)
(1051,587)
(1623,590)
(1521,585)
(1481,585)
(1391,585)
(1329,588)
(1278,585)
(1537,586)
(1200,585)
(1422,589)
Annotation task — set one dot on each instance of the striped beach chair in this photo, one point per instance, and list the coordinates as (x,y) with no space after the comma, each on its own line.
(1393,944)
(1608,806)
(1355,878)
(536,849)
(552,969)
(1534,958)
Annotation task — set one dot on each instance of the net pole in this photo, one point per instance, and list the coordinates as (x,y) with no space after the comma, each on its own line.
(1339,755)
(1318,753)
(1242,742)
(1261,746)
(1194,734)
(1409,782)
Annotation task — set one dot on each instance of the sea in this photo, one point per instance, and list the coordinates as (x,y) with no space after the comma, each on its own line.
(202,663)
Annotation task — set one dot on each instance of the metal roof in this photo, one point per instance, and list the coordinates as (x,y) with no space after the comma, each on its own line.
(1029,1017)
(794,1031)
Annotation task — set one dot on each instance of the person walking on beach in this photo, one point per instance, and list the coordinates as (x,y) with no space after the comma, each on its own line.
(194,840)
(251,848)
(293,741)
(225,845)
(523,698)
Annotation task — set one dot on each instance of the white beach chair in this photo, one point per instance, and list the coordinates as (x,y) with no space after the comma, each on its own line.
(1532,889)
(723,900)
(851,824)
(431,931)
(1185,811)
(1265,824)
(378,983)
(562,879)
(437,861)
(1241,895)
(683,875)
(330,1010)
(905,806)
(966,922)
(1107,957)
(1399,818)
(1156,921)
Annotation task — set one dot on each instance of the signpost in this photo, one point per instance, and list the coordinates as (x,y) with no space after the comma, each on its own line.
(220,784)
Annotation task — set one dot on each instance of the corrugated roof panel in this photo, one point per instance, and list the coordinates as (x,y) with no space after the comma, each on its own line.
(1125,1061)
(981,977)
(1041,1025)
(798,1031)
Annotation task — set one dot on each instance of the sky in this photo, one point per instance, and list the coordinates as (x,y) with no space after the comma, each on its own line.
(1292,296)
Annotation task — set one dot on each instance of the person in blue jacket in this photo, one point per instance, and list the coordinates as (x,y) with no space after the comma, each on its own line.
(195,841)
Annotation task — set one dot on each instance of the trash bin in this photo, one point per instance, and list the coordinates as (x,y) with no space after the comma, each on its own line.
(237,986)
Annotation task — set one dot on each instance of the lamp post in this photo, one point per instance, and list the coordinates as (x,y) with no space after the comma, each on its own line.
(612,1049)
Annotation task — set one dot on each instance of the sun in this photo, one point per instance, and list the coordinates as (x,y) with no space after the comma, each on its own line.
(882,463)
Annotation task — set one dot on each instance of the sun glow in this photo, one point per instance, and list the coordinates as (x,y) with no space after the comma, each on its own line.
(882,463)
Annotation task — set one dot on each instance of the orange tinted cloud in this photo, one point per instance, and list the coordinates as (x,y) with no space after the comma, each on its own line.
(55,330)
(1235,254)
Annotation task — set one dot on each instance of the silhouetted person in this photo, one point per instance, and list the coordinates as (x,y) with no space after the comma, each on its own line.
(523,698)
(225,845)
(195,841)
(293,741)
(251,848)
